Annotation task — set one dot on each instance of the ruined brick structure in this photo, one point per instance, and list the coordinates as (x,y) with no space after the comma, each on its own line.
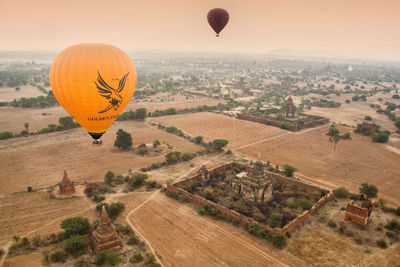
(369,127)
(288,108)
(66,186)
(105,237)
(177,188)
(254,185)
(359,213)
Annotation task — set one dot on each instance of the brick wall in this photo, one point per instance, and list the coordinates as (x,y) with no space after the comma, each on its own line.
(200,201)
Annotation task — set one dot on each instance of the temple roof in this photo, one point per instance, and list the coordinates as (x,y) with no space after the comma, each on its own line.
(289,99)
(105,227)
(65,179)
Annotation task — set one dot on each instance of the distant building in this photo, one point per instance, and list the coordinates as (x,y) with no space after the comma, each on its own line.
(359,213)
(105,237)
(350,68)
(66,186)
(288,108)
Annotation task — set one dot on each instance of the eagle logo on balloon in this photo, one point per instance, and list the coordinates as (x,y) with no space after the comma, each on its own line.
(106,91)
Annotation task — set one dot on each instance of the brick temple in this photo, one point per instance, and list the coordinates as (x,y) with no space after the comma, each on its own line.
(105,237)
(288,108)
(359,213)
(66,186)
(255,185)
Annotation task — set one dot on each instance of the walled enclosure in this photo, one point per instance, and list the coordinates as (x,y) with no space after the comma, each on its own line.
(200,201)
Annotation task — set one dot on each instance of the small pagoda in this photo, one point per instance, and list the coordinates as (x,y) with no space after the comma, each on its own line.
(66,186)
(105,237)
(288,108)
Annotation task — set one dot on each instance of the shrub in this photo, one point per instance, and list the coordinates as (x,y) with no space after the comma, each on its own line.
(115,209)
(219,144)
(108,178)
(133,240)
(279,241)
(382,243)
(332,224)
(292,204)
(124,229)
(173,157)
(150,259)
(393,225)
(5,135)
(172,129)
(58,256)
(370,190)
(108,258)
(138,257)
(397,212)
(198,139)
(289,170)
(256,230)
(305,204)
(156,143)
(139,179)
(75,245)
(275,219)
(342,192)
(75,226)
(187,156)
(381,137)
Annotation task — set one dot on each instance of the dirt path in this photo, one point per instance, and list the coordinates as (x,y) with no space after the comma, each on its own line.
(193,240)
(137,231)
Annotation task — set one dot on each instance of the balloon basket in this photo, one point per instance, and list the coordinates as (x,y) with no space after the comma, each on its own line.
(97,142)
(217,35)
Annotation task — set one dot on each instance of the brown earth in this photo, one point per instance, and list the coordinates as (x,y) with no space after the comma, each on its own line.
(32,260)
(354,162)
(8,94)
(213,126)
(13,119)
(39,161)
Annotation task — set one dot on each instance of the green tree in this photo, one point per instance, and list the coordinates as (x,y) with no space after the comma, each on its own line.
(141,113)
(66,122)
(75,245)
(335,138)
(305,204)
(199,139)
(369,190)
(173,157)
(381,137)
(219,144)
(289,170)
(275,219)
(279,241)
(332,130)
(26,125)
(124,140)
(115,209)
(397,123)
(75,226)
(139,179)
(59,256)
(108,178)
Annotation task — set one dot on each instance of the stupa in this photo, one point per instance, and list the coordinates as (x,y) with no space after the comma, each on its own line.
(105,237)
(66,186)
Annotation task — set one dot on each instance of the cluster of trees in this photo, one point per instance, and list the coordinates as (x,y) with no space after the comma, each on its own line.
(139,114)
(33,102)
(326,104)
(379,136)
(176,156)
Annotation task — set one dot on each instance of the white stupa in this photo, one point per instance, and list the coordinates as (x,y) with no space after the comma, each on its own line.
(350,69)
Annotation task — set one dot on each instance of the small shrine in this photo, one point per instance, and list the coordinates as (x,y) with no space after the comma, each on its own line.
(66,186)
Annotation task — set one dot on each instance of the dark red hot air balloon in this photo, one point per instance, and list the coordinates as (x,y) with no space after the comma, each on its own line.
(218,18)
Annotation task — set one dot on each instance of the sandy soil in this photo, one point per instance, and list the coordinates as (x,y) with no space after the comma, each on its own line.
(354,113)
(213,126)
(39,161)
(32,260)
(196,241)
(13,119)
(8,94)
(354,162)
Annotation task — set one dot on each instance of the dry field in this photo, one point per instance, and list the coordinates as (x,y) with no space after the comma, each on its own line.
(8,94)
(198,241)
(13,119)
(213,126)
(354,162)
(39,161)
(353,113)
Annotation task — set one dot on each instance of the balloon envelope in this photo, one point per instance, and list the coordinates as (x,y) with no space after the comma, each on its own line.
(93,83)
(218,18)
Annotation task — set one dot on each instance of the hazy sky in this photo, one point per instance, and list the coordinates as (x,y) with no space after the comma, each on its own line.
(359,27)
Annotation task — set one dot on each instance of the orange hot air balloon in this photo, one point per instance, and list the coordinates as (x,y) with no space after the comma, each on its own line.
(93,83)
